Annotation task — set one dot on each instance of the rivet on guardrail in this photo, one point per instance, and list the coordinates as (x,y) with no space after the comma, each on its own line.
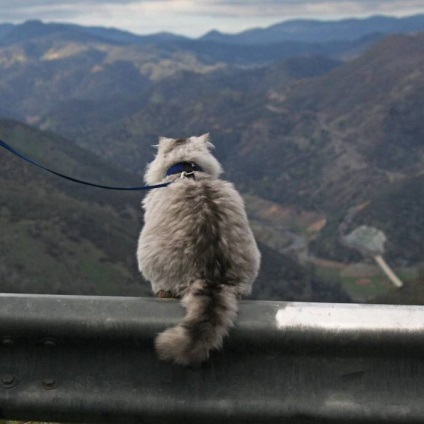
(8,381)
(49,383)
(7,341)
(49,342)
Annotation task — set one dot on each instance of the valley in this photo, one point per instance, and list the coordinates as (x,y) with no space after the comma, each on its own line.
(308,131)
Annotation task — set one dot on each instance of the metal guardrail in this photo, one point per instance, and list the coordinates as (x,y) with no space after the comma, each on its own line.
(91,359)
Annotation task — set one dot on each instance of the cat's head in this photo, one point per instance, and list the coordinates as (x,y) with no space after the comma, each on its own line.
(172,151)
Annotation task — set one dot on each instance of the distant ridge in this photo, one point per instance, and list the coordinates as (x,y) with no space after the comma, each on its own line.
(321,31)
(4,29)
(29,30)
(300,30)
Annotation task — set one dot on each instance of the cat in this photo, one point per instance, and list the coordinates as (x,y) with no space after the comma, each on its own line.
(196,244)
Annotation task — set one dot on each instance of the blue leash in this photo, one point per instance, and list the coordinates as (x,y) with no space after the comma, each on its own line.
(33,162)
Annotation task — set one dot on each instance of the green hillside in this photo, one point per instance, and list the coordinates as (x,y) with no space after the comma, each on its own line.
(411,294)
(57,237)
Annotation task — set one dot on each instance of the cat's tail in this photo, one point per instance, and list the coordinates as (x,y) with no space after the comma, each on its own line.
(210,313)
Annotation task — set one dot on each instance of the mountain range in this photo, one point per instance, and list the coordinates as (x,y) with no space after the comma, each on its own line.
(310,31)
(350,132)
(320,137)
(43,65)
(313,31)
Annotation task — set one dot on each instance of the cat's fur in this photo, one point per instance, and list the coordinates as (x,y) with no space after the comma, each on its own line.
(196,243)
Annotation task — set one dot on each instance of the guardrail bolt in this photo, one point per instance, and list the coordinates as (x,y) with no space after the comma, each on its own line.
(7,341)
(49,383)
(49,343)
(8,381)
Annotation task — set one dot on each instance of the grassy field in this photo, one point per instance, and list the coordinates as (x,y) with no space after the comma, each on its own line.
(367,283)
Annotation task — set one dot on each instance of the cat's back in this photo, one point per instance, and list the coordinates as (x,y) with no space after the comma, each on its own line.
(193,204)
(193,226)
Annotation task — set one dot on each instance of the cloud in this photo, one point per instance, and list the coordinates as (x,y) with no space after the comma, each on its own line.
(17,10)
(101,12)
(19,4)
(216,7)
(310,8)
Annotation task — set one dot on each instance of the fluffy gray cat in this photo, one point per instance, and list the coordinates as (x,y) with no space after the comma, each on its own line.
(196,245)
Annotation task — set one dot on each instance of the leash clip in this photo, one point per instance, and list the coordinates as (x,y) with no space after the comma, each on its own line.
(186,174)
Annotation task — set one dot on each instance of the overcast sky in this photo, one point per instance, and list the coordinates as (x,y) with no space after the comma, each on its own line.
(196,17)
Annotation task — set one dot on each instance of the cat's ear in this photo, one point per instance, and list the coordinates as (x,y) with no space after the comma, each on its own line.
(205,138)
